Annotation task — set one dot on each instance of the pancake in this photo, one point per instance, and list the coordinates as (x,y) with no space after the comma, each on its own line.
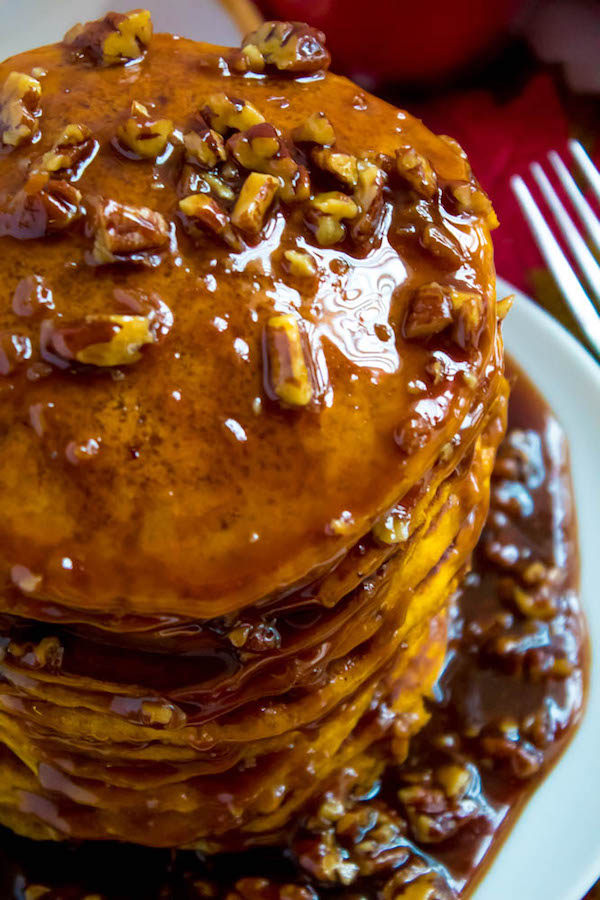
(251,390)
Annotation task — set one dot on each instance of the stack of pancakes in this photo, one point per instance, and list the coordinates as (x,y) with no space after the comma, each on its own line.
(251,389)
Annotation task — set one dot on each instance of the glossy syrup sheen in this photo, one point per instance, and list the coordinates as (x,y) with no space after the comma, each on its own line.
(505,705)
(195,464)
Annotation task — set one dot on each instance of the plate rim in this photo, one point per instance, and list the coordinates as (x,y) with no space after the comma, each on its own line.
(562,354)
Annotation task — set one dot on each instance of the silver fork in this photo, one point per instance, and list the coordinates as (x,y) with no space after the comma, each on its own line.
(584,310)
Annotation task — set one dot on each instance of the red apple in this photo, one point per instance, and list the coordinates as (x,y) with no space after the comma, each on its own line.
(400,40)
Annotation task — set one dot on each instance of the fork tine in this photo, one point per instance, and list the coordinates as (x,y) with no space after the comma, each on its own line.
(575,297)
(587,166)
(584,210)
(580,251)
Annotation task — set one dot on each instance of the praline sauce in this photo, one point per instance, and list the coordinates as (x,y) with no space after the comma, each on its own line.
(505,706)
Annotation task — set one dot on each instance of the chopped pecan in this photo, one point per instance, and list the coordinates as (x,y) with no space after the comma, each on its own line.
(203,213)
(471,199)
(152,306)
(429,312)
(423,886)
(503,306)
(263,889)
(369,197)
(322,857)
(300,264)
(145,136)
(539,602)
(247,59)
(342,165)
(100,340)
(317,129)
(74,149)
(416,170)
(224,113)
(328,230)
(129,234)
(413,434)
(262,149)
(15,349)
(48,654)
(468,316)
(32,296)
(116,39)
(288,47)
(433,816)
(326,214)
(454,779)
(523,759)
(19,109)
(336,204)
(342,845)
(43,206)
(341,525)
(435,307)
(392,529)
(442,244)
(193,181)
(204,145)
(288,370)
(256,196)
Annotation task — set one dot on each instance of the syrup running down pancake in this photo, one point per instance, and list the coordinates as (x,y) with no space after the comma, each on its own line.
(251,391)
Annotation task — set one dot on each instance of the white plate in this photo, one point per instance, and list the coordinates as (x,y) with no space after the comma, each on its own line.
(553,852)
(31,23)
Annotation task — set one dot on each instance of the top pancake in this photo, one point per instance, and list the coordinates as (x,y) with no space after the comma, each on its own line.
(181,484)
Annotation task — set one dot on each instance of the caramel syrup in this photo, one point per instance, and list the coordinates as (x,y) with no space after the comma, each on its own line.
(505,706)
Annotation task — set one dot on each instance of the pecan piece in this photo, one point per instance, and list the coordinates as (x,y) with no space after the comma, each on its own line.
(256,196)
(32,296)
(300,264)
(225,113)
(441,243)
(325,216)
(100,340)
(204,145)
(392,529)
(416,170)
(432,815)
(368,195)
(288,47)
(435,307)
(317,129)
(203,213)
(342,165)
(429,312)
(43,206)
(74,149)
(19,109)
(335,204)
(468,314)
(194,182)
(287,363)
(15,349)
(262,149)
(471,199)
(263,889)
(145,136)
(503,306)
(114,40)
(152,306)
(129,234)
